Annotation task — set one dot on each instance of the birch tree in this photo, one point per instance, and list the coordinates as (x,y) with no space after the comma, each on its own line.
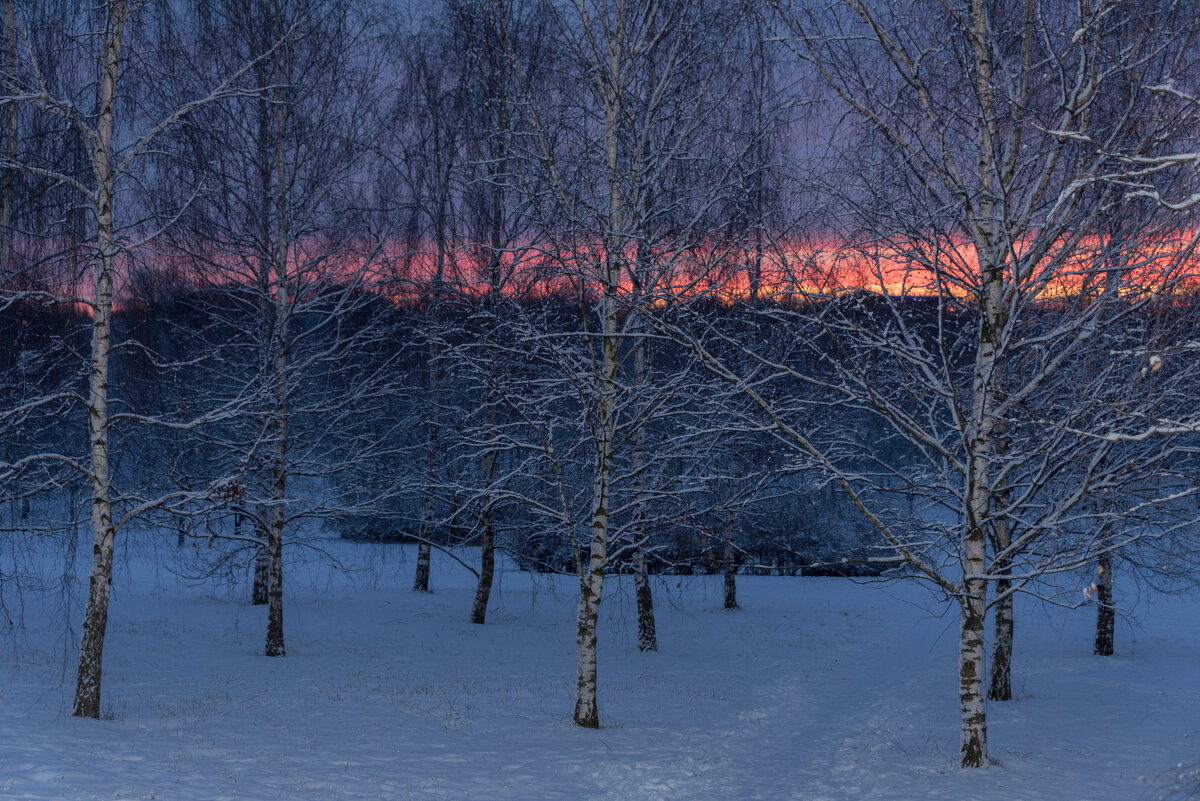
(617,231)
(288,270)
(116,140)
(492,33)
(433,114)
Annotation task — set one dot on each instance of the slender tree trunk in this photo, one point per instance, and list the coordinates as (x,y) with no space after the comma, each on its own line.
(973,599)
(487,570)
(970,667)
(279,416)
(989,247)
(497,102)
(731,559)
(1000,686)
(591,585)
(266,158)
(487,541)
(421,575)
(424,551)
(647,633)
(1105,611)
(587,713)
(730,569)
(95,621)
(274,549)
(606,365)
(496,99)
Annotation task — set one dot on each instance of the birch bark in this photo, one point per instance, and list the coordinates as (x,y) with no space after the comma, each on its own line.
(592,583)
(280,389)
(1105,611)
(989,248)
(647,634)
(424,548)
(487,535)
(95,621)
(1000,685)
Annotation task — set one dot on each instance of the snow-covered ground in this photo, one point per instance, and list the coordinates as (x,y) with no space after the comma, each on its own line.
(816,689)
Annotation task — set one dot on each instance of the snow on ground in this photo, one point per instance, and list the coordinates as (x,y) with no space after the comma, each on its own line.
(816,689)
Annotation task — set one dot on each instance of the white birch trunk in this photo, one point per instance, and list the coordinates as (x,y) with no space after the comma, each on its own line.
(990,253)
(1106,619)
(424,550)
(970,666)
(1000,686)
(973,595)
(279,412)
(591,585)
(266,157)
(731,560)
(487,536)
(275,645)
(497,96)
(95,621)
(421,573)
(647,634)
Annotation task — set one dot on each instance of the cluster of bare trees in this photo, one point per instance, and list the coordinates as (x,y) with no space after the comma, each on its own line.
(1005,139)
(611,284)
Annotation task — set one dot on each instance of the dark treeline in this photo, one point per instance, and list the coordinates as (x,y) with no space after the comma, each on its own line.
(783,516)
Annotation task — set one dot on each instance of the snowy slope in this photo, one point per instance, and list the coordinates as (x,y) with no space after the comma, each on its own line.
(817,689)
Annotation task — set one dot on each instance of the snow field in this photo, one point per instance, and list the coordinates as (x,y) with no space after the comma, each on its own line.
(817,689)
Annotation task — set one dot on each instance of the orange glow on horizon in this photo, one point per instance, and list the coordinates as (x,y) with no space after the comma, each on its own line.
(785,273)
